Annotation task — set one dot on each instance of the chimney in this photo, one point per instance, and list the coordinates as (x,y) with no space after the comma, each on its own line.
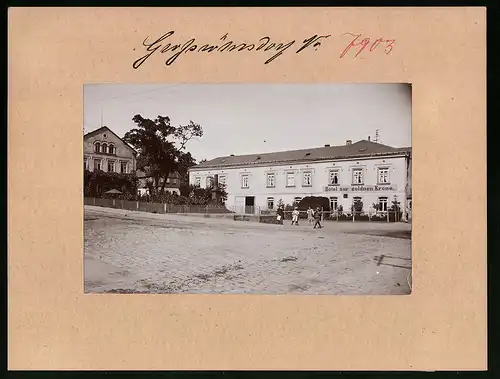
(348,142)
(216,180)
(327,145)
(368,138)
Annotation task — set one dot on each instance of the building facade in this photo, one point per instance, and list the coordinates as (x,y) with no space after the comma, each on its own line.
(104,150)
(172,183)
(373,173)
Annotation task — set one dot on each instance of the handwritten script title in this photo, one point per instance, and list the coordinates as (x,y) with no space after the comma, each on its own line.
(173,49)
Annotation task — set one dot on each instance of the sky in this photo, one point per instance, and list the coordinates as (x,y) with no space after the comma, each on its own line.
(258,118)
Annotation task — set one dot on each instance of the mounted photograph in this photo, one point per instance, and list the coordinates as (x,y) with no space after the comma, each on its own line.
(251,188)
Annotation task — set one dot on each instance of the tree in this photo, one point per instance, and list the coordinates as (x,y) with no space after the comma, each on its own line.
(96,183)
(280,203)
(161,147)
(185,161)
(314,202)
(357,206)
(203,196)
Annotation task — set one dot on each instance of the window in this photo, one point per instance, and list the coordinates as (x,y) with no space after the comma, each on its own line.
(357,204)
(357,176)
(168,180)
(290,179)
(111,166)
(97,164)
(333,177)
(104,148)
(210,182)
(383,175)
(111,149)
(197,181)
(244,181)
(222,179)
(97,147)
(307,179)
(333,203)
(270,203)
(174,181)
(271,182)
(123,166)
(296,200)
(85,163)
(382,204)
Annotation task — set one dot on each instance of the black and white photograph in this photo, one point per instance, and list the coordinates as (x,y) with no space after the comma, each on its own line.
(255,188)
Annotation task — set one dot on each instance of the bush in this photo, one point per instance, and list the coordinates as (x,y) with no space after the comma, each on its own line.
(395,214)
(269,220)
(379,217)
(345,217)
(96,183)
(357,206)
(314,202)
(361,217)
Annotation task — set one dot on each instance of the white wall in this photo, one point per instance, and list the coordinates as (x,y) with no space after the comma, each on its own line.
(320,173)
(122,153)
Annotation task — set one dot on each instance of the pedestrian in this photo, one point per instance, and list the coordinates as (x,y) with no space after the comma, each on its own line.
(295,216)
(317,217)
(280,215)
(310,215)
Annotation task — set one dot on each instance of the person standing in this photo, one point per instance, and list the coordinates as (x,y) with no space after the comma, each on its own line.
(310,215)
(295,216)
(280,215)
(317,218)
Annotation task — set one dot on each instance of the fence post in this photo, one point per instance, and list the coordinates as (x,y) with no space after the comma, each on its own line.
(165,208)
(258,217)
(137,205)
(93,200)
(337,214)
(388,215)
(121,203)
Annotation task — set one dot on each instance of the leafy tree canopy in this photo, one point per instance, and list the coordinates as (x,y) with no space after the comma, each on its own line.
(162,147)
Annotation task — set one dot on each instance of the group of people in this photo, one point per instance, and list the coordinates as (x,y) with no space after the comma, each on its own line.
(312,215)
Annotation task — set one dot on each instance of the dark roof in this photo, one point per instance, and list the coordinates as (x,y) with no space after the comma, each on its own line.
(358,149)
(105,128)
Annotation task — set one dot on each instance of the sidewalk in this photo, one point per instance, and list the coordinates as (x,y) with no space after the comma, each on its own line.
(328,226)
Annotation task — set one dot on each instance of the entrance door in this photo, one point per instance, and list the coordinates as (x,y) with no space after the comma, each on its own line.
(239,204)
(249,204)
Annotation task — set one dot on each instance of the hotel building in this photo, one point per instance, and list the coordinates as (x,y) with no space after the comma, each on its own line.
(365,170)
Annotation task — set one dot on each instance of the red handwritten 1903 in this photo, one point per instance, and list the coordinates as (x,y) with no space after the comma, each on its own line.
(387,44)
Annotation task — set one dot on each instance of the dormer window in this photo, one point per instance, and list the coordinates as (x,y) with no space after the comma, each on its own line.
(97,147)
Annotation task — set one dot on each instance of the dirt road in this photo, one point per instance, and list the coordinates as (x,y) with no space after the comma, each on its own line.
(135,252)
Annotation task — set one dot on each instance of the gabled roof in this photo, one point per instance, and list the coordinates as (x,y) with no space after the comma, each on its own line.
(362,148)
(106,129)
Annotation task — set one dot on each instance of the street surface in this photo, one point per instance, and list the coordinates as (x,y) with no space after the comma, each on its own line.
(136,252)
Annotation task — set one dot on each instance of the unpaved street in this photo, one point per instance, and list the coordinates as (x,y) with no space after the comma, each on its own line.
(135,252)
